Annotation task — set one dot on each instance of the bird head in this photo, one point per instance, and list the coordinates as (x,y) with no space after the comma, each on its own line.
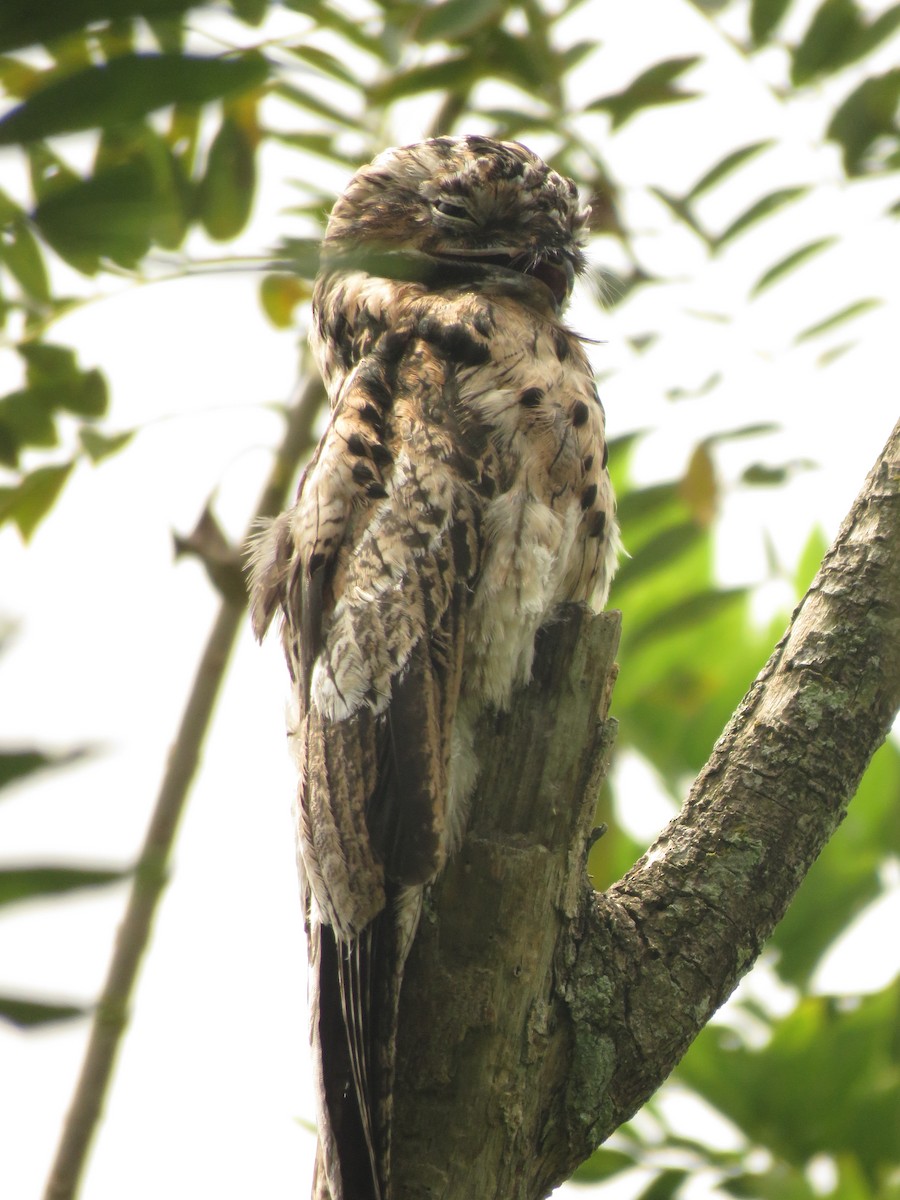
(465,201)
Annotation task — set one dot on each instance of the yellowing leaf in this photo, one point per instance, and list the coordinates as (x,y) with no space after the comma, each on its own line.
(31,499)
(698,489)
(280,295)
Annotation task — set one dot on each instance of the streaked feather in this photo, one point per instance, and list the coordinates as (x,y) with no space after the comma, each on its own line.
(457,496)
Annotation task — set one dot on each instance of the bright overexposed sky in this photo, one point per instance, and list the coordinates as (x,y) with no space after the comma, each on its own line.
(213,1075)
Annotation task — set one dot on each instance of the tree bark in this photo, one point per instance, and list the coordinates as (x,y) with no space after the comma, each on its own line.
(537,1015)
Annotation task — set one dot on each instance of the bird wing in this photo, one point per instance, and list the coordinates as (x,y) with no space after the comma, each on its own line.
(373,571)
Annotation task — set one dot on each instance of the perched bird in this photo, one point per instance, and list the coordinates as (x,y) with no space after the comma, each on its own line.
(457,496)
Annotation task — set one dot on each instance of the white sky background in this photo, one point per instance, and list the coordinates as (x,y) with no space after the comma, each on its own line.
(214,1068)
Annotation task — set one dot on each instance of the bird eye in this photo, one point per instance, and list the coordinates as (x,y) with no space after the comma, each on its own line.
(455,211)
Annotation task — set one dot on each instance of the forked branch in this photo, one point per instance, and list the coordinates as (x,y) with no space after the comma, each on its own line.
(537,1016)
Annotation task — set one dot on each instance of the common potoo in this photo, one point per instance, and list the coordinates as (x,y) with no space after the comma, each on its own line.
(457,496)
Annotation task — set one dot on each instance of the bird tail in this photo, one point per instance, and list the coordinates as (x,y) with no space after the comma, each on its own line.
(354,1009)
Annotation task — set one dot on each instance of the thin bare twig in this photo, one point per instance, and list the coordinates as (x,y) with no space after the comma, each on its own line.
(111,1014)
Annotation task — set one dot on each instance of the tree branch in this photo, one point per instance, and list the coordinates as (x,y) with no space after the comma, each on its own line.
(538,1016)
(691,917)
(485,1040)
(111,1014)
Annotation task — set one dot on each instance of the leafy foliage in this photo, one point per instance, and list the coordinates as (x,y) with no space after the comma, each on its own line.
(176,127)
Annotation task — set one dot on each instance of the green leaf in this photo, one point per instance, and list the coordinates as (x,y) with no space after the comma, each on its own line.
(868,115)
(169,196)
(766,475)
(838,318)
(48,363)
(56,381)
(780,1182)
(317,143)
(757,429)
(98,446)
(111,215)
(25,22)
(327,63)
(17,79)
(448,75)
(879,31)
(693,611)
(49,174)
(226,192)
(852,1183)
(828,1082)
(31,883)
(31,499)
(827,40)
(839,35)
(250,11)
(304,99)
(650,89)
(300,256)
(844,879)
(657,552)
(785,265)
(16,765)
(20,252)
(87,395)
(280,295)
(527,61)
(126,89)
(679,208)
(765,17)
(757,212)
(665,1185)
(833,353)
(637,503)
(708,385)
(726,167)
(603,1164)
(456,19)
(26,419)
(28,1014)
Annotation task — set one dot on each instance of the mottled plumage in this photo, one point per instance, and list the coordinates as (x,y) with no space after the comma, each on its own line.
(458,495)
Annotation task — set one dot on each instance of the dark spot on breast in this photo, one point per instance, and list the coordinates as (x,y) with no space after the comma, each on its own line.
(531,397)
(362,473)
(392,344)
(467,467)
(462,555)
(356,444)
(597,525)
(370,414)
(588,496)
(588,461)
(579,413)
(337,328)
(455,341)
(376,492)
(486,487)
(370,379)
(432,514)
(381,455)
(605,456)
(560,344)
(315,562)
